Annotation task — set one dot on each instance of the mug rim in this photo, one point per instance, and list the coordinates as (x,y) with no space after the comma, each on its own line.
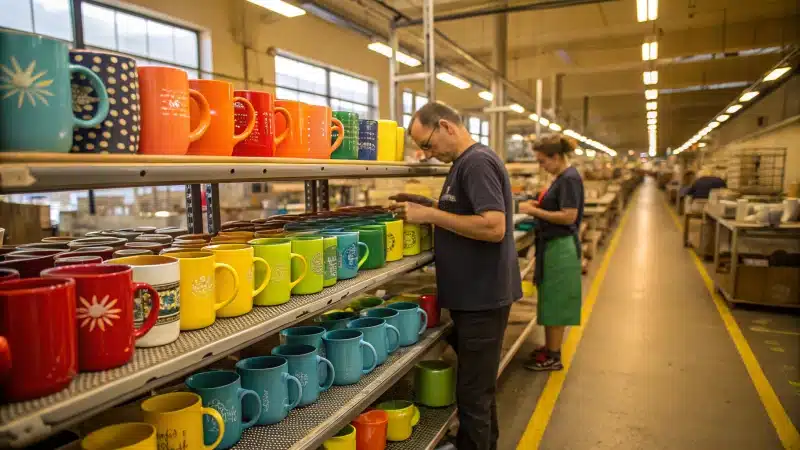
(385,406)
(178,396)
(276,241)
(402,306)
(346,431)
(367,318)
(133,260)
(316,329)
(191,254)
(34,285)
(381,309)
(240,365)
(226,247)
(198,378)
(354,335)
(311,350)
(83,271)
(141,431)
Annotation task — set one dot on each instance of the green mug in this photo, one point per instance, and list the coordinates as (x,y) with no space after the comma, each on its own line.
(312,249)
(330,256)
(425,237)
(435,384)
(278,254)
(412,245)
(349,147)
(375,238)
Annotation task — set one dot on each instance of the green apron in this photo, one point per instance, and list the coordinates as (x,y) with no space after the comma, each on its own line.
(559,288)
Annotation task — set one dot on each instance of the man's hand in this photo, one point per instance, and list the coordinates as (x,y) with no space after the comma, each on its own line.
(412,198)
(530,207)
(413,212)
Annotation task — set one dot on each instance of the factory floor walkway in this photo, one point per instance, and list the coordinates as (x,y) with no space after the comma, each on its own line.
(657,365)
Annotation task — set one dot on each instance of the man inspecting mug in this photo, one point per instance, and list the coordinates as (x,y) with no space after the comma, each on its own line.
(477,273)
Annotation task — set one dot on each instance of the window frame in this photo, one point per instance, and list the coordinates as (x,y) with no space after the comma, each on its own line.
(415,104)
(483,124)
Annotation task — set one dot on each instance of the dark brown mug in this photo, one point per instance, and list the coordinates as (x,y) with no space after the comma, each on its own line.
(154,247)
(106,241)
(132,252)
(146,230)
(80,259)
(160,238)
(127,235)
(31,262)
(64,239)
(104,252)
(173,232)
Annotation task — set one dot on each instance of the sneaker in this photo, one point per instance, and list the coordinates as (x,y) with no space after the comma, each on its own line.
(544,364)
(539,353)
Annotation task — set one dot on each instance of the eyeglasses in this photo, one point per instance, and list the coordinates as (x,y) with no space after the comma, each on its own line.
(427,145)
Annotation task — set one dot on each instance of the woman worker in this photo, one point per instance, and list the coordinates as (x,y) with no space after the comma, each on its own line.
(558,255)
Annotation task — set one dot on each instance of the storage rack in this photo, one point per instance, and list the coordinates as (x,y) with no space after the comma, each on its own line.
(24,423)
(758,171)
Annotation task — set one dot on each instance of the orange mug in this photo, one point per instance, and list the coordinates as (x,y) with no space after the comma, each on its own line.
(165,113)
(321,129)
(221,136)
(298,142)
(371,430)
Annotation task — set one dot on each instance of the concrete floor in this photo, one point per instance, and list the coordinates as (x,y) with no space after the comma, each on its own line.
(656,367)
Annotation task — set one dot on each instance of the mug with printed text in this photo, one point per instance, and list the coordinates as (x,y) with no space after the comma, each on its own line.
(221,136)
(263,139)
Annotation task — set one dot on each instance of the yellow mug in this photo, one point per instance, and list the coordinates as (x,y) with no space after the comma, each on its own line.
(401,144)
(394,240)
(411,239)
(387,140)
(123,436)
(178,419)
(403,416)
(199,300)
(241,257)
(345,439)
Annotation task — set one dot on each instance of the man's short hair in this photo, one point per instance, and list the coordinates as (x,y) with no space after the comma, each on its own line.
(431,113)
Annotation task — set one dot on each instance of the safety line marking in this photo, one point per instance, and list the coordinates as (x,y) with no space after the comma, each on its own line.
(787,432)
(534,431)
(770,330)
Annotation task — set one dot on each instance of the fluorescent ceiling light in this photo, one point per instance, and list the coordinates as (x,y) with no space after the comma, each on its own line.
(652,121)
(777,73)
(544,121)
(386,51)
(578,151)
(702,144)
(649,51)
(713,124)
(652,152)
(747,96)
(486,95)
(280,7)
(452,80)
(723,117)
(651,106)
(646,10)
(652,114)
(517,137)
(555,127)
(650,77)
(652,127)
(534,117)
(590,153)
(517,108)
(651,94)
(733,108)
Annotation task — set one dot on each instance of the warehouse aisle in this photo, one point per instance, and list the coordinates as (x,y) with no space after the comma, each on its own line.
(655,367)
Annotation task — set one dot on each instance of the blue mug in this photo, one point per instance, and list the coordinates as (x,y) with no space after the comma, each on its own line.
(308,335)
(344,349)
(304,364)
(413,322)
(269,377)
(379,334)
(36,100)
(391,316)
(368,140)
(347,244)
(222,390)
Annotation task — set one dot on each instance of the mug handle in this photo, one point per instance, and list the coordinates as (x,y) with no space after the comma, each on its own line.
(415,418)
(102,98)
(424,321)
(337,125)
(374,362)
(288,131)
(251,120)
(242,394)
(293,404)
(5,357)
(205,115)
(305,269)
(328,382)
(220,423)
(257,260)
(155,308)
(224,266)
(392,330)
(366,254)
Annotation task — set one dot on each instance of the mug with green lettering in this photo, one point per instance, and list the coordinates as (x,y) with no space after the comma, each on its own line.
(312,249)
(330,256)
(375,238)
(394,238)
(411,239)
(278,254)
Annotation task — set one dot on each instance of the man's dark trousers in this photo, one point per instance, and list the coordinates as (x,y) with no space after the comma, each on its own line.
(477,339)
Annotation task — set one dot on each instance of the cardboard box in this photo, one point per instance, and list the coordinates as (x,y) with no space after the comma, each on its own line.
(768,285)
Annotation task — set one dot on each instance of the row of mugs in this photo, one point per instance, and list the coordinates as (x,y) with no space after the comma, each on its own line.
(91,101)
(391,421)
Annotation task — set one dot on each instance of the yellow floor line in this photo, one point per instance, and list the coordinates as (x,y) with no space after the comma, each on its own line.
(534,431)
(787,432)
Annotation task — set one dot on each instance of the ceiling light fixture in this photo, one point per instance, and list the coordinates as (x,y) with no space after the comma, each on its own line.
(649,51)
(713,124)
(733,108)
(650,77)
(534,117)
(280,7)
(651,106)
(747,96)
(777,73)
(544,121)
(486,95)
(646,10)
(516,107)
(702,144)
(652,114)
(651,94)
(555,127)
(452,80)
(652,121)
(578,151)
(652,127)
(723,117)
(517,137)
(385,50)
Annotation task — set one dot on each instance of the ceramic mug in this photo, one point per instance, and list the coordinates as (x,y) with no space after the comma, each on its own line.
(178,418)
(374,236)
(401,144)
(119,131)
(220,137)
(413,322)
(435,384)
(222,390)
(30,263)
(36,106)
(165,126)
(269,377)
(387,140)
(349,147)
(280,258)
(241,258)
(345,439)
(430,304)
(371,430)
(411,239)
(123,436)
(384,338)
(105,327)
(425,237)
(306,365)
(320,119)
(403,416)
(312,249)
(8,275)
(345,350)
(368,140)
(263,139)
(330,258)
(163,274)
(298,143)
(395,239)
(306,335)
(198,288)
(348,259)
(74,260)
(38,326)
(335,320)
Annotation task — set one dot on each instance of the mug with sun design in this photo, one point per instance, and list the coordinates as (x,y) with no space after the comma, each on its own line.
(119,132)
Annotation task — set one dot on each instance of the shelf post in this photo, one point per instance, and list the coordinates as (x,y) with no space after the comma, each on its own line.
(430,58)
(212,208)
(323,195)
(194,208)
(311,196)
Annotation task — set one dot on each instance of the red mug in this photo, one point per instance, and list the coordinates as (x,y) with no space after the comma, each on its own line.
(263,140)
(37,321)
(430,305)
(29,263)
(8,275)
(105,299)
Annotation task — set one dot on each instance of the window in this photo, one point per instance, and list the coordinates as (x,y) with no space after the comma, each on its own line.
(48,17)
(479,129)
(411,103)
(318,85)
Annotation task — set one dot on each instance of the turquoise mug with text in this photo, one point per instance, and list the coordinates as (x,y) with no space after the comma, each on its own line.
(269,377)
(352,253)
(413,321)
(36,99)
(308,335)
(305,365)
(382,336)
(346,350)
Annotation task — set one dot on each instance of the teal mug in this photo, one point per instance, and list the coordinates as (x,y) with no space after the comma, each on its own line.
(391,316)
(413,322)
(305,365)
(336,320)
(269,377)
(308,335)
(222,390)
(382,336)
(36,100)
(345,350)
(352,254)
